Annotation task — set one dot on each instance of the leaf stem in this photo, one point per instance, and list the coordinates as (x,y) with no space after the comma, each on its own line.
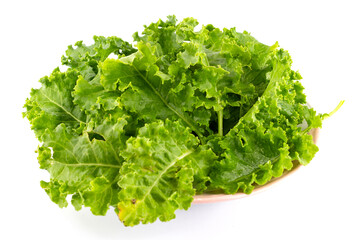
(220,123)
(325,116)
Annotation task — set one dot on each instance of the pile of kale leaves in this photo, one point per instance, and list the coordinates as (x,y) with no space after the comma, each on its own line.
(144,129)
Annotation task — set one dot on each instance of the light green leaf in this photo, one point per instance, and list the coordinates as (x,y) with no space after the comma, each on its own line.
(52,104)
(157,177)
(77,161)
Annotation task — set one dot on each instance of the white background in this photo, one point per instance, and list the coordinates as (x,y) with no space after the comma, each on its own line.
(320,201)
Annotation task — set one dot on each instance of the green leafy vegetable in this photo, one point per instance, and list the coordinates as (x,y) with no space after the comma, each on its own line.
(144,129)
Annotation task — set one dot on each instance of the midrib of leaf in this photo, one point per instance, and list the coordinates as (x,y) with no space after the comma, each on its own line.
(86,164)
(59,105)
(193,128)
(267,93)
(257,169)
